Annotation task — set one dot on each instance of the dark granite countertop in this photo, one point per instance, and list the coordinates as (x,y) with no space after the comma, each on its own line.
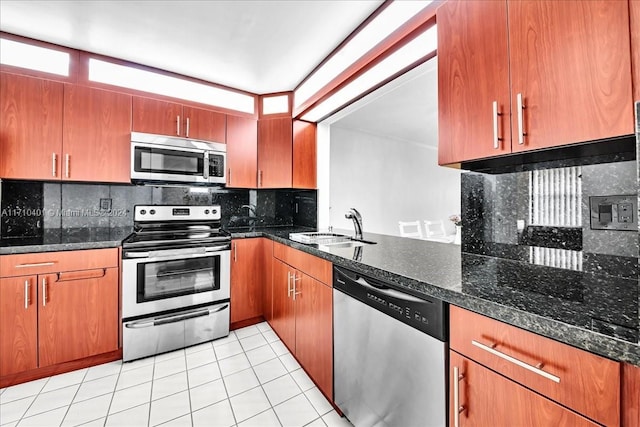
(66,239)
(590,309)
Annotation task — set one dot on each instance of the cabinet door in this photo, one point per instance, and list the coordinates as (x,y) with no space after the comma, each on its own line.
(314,330)
(275,153)
(247,279)
(267,257)
(96,135)
(242,152)
(304,155)
(630,395)
(570,61)
(204,124)
(283,320)
(634,12)
(159,117)
(18,325)
(78,315)
(490,399)
(30,128)
(473,74)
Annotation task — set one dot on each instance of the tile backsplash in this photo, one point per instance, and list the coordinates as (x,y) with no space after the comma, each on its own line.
(30,208)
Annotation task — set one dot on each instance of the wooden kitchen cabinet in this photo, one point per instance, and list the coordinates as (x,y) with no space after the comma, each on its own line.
(630,395)
(18,324)
(57,307)
(584,382)
(634,18)
(77,315)
(30,127)
(303,311)
(242,152)
(275,153)
(304,155)
(555,57)
(247,279)
(174,119)
(96,142)
(485,398)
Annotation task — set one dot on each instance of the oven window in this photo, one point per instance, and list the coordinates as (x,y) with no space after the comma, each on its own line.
(168,161)
(168,279)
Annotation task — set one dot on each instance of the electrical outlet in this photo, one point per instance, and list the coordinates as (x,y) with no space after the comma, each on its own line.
(105,204)
(614,213)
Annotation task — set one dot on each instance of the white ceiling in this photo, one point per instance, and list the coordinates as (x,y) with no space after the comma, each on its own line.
(405,109)
(259,46)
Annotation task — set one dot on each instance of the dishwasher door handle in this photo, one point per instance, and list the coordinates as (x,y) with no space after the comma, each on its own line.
(386,291)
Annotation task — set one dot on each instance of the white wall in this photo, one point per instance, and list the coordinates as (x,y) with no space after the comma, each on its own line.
(388,181)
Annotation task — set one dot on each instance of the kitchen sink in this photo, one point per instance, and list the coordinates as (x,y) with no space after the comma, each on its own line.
(329,239)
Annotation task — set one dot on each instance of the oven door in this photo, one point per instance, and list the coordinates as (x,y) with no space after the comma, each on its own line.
(166,163)
(158,281)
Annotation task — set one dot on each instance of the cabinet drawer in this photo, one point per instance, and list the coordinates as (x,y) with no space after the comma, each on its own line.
(311,265)
(53,262)
(587,383)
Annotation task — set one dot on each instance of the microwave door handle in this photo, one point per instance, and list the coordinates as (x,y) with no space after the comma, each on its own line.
(206,165)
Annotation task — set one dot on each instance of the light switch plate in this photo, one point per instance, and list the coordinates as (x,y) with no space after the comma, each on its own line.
(614,212)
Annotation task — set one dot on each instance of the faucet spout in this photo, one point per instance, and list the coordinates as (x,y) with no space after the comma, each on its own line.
(252,209)
(355,216)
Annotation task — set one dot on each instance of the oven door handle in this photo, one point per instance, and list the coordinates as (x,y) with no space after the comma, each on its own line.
(174,256)
(176,318)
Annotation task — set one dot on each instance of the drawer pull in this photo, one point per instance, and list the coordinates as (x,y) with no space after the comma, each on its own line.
(86,277)
(534,369)
(37,264)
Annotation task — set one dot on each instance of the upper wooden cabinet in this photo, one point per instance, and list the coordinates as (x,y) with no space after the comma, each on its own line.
(96,135)
(304,155)
(170,118)
(634,17)
(242,152)
(275,153)
(525,75)
(30,127)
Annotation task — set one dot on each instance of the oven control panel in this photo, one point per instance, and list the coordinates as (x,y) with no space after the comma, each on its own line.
(176,213)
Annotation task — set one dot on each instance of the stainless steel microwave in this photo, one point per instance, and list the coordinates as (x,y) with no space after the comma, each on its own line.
(165,159)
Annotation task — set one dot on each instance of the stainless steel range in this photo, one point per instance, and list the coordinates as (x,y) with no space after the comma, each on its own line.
(175,279)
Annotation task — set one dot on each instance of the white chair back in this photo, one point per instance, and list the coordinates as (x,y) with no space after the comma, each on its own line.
(435,228)
(410,229)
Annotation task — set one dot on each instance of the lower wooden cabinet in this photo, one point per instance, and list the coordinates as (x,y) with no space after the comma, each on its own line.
(248,279)
(18,325)
(480,397)
(630,395)
(585,383)
(62,313)
(303,314)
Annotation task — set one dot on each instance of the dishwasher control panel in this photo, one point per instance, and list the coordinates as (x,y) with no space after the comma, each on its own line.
(427,315)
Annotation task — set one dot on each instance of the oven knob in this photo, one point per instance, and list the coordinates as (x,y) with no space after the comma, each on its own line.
(143,212)
(206,211)
(152,211)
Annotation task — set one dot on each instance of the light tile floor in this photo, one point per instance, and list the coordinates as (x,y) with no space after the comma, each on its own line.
(246,379)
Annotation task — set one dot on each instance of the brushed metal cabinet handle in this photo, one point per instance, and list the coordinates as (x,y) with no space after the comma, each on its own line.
(235,252)
(520,107)
(259,178)
(44,292)
(178,125)
(67,163)
(27,288)
(458,409)
(295,279)
(229,176)
(187,127)
(54,164)
(496,138)
(534,369)
(288,284)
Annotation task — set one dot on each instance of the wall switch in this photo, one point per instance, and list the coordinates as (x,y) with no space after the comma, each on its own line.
(614,212)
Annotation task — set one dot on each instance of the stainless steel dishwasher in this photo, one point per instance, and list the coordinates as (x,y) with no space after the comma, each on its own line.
(390,354)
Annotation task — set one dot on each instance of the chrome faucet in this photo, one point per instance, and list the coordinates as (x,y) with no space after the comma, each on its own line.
(252,209)
(354,215)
